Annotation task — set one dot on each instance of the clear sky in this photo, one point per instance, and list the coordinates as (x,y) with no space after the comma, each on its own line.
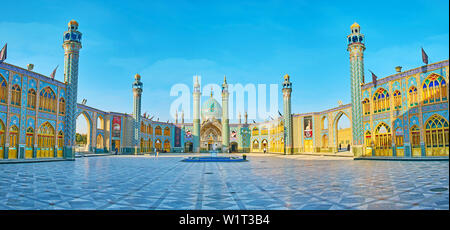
(251,42)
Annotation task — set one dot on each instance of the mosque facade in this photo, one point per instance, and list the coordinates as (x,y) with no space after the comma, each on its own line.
(402,115)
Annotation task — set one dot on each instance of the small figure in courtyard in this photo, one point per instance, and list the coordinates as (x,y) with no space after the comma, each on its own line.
(265,150)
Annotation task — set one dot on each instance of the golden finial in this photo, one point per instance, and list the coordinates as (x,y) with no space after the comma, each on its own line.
(211,91)
(73,22)
(354,25)
(286,77)
(137,77)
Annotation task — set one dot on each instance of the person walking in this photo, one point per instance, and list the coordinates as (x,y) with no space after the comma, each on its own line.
(265,150)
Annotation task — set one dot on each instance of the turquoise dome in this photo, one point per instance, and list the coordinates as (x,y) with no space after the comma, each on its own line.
(211,109)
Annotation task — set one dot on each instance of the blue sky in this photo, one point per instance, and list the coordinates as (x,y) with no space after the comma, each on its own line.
(249,41)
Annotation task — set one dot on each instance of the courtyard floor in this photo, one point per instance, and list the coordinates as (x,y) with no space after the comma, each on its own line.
(264,182)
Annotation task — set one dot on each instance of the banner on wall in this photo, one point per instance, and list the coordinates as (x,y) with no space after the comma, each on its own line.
(177,137)
(116,126)
(307,127)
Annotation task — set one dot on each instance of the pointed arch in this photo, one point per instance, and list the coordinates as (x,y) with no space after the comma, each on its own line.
(2,139)
(29,142)
(13,142)
(46,140)
(255,145)
(434,89)
(381,101)
(31,98)
(383,140)
(397,99)
(167,145)
(158,131)
(412,97)
(166,131)
(16,95)
(366,106)
(47,100)
(436,136)
(3,89)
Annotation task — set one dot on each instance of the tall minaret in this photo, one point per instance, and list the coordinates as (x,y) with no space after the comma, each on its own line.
(196,120)
(72,46)
(225,120)
(356,48)
(287,89)
(137,93)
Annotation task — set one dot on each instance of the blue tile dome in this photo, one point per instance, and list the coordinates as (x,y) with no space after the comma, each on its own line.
(211,109)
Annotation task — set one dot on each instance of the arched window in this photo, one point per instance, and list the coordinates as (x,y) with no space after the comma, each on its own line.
(62,106)
(255,144)
(399,137)
(158,131)
(264,144)
(368,138)
(100,123)
(434,89)
(167,145)
(264,131)
(255,131)
(366,106)
(47,100)
(397,100)
(150,129)
(412,97)
(99,141)
(2,139)
(60,144)
(142,127)
(166,132)
(415,137)
(3,90)
(381,101)
(436,136)
(46,140)
(29,142)
(13,142)
(15,95)
(158,144)
(325,141)
(280,127)
(324,123)
(383,142)
(31,99)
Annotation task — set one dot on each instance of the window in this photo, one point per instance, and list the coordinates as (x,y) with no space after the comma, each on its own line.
(383,141)
(255,144)
(3,90)
(399,137)
(397,100)
(62,106)
(434,89)
(415,137)
(158,131)
(166,132)
(436,133)
(412,97)
(15,95)
(31,99)
(99,141)
(47,100)
(264,131)
(13,136)
(60,139)
(255,131)
(29,142)
(381,101)
(368,139)
(46,140)
(150,129)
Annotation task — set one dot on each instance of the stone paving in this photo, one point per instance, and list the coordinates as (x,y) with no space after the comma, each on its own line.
(264,182)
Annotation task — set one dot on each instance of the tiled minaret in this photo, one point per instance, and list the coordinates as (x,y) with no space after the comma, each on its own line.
(72,46)
(356,48)
(225,119)
(196,120)
(137,93)
(287,89)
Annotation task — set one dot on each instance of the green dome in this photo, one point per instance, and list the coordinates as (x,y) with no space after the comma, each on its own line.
(211,109)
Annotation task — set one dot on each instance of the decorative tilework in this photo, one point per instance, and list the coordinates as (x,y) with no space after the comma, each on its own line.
(414,120)
(3,108)
(47,115)
(367,127)
(44,84)
(14,120)
(30,122)
(397,123)
(3,117)
(443,114)
(41,121)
